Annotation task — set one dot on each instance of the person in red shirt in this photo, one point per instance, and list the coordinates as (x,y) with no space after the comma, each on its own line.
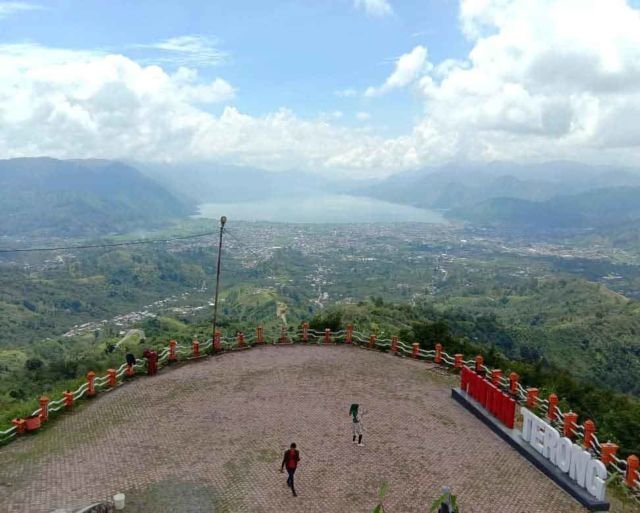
(290,460)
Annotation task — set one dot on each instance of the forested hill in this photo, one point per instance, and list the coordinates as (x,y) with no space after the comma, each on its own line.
(71,198)
(592,209)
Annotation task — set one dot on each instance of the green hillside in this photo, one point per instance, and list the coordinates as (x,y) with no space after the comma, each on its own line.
(591,209)
(63,198)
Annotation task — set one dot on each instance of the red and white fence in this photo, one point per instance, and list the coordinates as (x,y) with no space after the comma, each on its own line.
(567,422)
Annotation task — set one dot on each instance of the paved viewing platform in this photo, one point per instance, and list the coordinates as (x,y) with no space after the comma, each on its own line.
(209,436)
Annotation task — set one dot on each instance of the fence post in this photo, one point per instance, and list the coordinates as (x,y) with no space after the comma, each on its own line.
(570,419)
(553,405)
(458,360)
(217,343)
(259,335)
(240,339)
(394,344)
(20,425)
(305,331)
(195,349)
(349,338)
(632,468)
(327,336)
(513,383)
(438,357)
(589,431)
(44,408)
(532,395)
(172,351)
(414,351)
(112,379)
(479,364)
(496,374)
(68,398)
(608,452)
(372,342)
(283,335)
(91,389)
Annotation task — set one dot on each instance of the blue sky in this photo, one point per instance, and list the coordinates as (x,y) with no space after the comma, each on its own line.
(362,87)
(293,54)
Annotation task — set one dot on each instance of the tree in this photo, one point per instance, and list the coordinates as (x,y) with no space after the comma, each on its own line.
(331,320)
(33,364)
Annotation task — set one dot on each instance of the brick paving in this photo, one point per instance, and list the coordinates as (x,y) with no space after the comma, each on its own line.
(209,436)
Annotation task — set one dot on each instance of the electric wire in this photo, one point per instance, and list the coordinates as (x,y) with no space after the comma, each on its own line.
(112,245)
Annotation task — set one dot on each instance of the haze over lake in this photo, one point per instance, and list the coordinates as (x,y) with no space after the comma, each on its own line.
(337,208)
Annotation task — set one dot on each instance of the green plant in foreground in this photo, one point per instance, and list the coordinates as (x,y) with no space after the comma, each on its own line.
(447,495)
(384,488)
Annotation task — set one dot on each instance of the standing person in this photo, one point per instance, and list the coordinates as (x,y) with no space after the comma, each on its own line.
(357,415)
(290,460)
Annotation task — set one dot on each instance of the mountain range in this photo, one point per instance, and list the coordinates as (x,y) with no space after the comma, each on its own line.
(453,186)
(65,198)
(532,197)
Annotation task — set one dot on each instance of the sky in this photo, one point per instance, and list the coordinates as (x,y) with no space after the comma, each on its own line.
(360,88)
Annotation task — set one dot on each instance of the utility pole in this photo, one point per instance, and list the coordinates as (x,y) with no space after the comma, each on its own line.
(223,220)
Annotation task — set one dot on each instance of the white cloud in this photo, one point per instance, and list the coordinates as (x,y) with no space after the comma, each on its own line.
(407,68)
(74,104)
(190,50)
(377,8)
(544,80)
(363,116)
(550,79)
(9,8)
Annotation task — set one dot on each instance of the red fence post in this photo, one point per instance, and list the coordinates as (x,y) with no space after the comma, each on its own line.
(172,351)
(91,389)
(589,431)
(458,361)
(553,405)
(327,336)
(632,469)
(479,364)
(608,452)
(240,339)
(112,378)
(438,357)
(513,383)
(349,337)
(195,349)
(570,419)
(532,395)
(259,335)
(496,374)
(68,398)
(20,425)
(44,408)
(305,332)
(394,344)
(414,352)
(217,342)
(372,342)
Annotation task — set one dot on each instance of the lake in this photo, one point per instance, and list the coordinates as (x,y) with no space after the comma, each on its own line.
(322,208)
